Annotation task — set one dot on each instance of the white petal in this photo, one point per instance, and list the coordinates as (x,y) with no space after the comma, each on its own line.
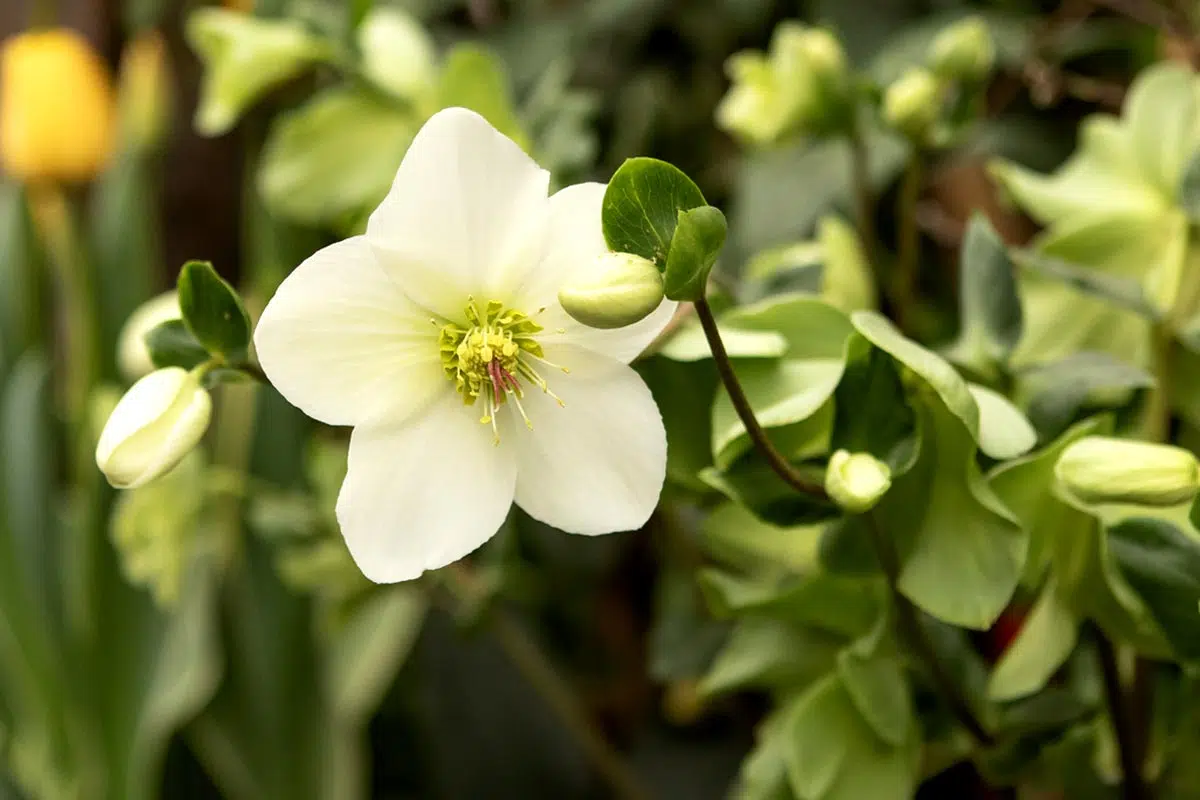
(465,215)
(421,495)
(574,241)
(342,343)
(597,464)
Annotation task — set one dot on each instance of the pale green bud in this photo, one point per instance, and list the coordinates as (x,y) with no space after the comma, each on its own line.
(158,422)
(810,66)
(856,481)
(912,103)
(619,291)
(133,356)
(398,55)
(821,51)
(964,51)
(1099,469)
(754,108)
(243,57)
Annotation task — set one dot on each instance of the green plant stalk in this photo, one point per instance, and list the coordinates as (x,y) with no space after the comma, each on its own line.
(778,463)
(1133,786)
(919,640)
(537,669)
(864,201)
(904,281)
(888,558)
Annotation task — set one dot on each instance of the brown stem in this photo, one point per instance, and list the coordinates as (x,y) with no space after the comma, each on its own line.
(1133,783)
(536,668)
(904,285)
(919,639)
(864,201)
(790,475)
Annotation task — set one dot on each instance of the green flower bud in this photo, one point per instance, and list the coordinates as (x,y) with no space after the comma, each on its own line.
(856,481)
(158,422)
(133,356)
(964,51)
(754,108)
(819,49)
(1098,469)
(622,289)
(912,103)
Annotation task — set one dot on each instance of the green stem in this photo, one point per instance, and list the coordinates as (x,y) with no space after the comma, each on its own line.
(1133,786)
(904,284)
(778,463)
(918,637)
(537,669)
(864,201)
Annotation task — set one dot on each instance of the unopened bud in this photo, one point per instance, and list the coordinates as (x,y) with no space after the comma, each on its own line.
(912,103)
(57,107)
(964,51)
(821,51)
(133,356)
(621,289)
(1098,469)
(811,69)
(159,421)
(856,481)
(753,109)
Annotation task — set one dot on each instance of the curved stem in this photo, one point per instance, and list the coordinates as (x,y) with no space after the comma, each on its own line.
(1133,784)
(778,463)
(536,668)
(918,638)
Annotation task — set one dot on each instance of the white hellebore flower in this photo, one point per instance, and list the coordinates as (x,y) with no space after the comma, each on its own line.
(159,421)
(439,336)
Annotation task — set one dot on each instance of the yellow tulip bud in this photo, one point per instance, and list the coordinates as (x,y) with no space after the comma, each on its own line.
(158,422)
(964,51)
(144,90)
(1099,469)
(856,481)
(911,104)
(56,107)
(622,289)
(133,356)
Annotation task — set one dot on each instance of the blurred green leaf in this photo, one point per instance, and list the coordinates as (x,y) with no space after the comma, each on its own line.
(213,311)
(1162,564)
(735,536)
(763,653)
(1059,391)
(872,413)
(472,77)
(21,302)
(752,482)
(1044,643)
(989,306)
(684,637)
(171,344)
(684,394)
(1121,292)
(1003,430)
(642,205)
(875,681)
(696,244)
(333,157)
(1189,188)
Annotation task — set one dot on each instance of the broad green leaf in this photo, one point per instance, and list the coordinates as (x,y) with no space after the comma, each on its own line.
(876,684)
(398,54)
(1122,292)
(872,414)
(334,157)
(690,344)
(244,56)
(1058,391)
(1046,640)
(763,653)
(1061,321)
(683,393)
(1025,486)
(642,205)
(1003,430)
(733,535)
(989,305)
(473,77)
(832,753)
(696,244)
(1163,113)
(753,484)
(171,344)
(1103,175)
(213,312)
(763,775)
(1162,564)
(846,279)
(847,607)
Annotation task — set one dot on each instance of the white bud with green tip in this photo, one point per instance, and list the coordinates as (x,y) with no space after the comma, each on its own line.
(856,481)
(159,421)
(964,51)
(621,289)
(1099,469)
(912,103)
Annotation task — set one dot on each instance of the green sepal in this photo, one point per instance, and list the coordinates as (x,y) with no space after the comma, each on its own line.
(642,208)
(213,312)
(171,344)
(699,237)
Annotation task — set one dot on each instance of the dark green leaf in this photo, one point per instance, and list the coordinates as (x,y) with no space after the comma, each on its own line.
(879,690)
(684,394)
(684,638)
(1118,291)
(171,344)
(1060,390)
(213,312)
(641,207)
(873,415)
(1162,564)
(989,304)
(699,237)
(1189,188)
(764,653)
(752,483)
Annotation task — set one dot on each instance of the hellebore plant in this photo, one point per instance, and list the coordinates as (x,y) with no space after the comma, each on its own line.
(439,336)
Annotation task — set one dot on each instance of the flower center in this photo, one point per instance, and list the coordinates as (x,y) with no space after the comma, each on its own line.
(490,357)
